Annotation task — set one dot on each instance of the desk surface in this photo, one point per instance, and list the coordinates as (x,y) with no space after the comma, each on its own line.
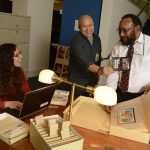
(90,137)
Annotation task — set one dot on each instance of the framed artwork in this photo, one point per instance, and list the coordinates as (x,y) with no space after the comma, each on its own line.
(65,71)
(61,52)
(62,61)
(126,116)
(121,63)
(58,69)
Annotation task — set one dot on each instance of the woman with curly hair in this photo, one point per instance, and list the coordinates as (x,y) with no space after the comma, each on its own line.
(13,83)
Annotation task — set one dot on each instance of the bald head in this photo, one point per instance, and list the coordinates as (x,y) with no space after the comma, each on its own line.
(86,25)
(83,18)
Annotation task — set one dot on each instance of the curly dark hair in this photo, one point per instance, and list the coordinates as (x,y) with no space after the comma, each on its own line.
(136,20)
(10,76)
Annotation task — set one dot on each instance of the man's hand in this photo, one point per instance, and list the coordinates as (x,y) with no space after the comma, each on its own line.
(105,71)
(146,89)
(108,109)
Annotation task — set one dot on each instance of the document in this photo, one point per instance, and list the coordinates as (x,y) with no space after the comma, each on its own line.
(12,129)
(60,97)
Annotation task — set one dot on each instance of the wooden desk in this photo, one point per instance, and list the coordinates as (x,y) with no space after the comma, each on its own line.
(90,137)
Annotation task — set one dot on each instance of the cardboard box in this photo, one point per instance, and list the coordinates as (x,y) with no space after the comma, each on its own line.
(137,129)
(129,119)
(87,113)
(41,139)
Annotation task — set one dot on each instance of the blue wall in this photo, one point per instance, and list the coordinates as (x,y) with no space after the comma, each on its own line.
(72,10)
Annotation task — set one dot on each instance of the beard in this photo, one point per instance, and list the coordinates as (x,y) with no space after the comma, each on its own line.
(128,40)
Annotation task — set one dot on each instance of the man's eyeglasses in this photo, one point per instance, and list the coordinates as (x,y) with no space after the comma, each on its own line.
(125,30)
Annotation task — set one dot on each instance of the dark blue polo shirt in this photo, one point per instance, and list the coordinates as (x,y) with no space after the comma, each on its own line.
(83,54)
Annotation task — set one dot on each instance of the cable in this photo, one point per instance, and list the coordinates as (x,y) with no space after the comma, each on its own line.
(143,7)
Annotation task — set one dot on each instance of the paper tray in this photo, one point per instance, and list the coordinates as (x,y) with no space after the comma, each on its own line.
(41,141)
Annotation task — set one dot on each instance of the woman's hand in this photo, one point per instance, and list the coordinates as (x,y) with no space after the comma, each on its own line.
(13,104)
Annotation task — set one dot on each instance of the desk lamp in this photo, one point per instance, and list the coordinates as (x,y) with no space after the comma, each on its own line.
(104,95)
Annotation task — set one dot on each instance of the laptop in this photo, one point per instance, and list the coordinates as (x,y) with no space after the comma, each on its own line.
(34,102)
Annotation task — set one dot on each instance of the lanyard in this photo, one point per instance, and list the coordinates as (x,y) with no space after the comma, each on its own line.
(143,44)
(142,48)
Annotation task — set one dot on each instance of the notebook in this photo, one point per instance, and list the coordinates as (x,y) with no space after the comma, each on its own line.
(34,102)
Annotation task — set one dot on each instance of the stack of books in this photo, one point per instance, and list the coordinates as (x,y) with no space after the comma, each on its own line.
(12,129)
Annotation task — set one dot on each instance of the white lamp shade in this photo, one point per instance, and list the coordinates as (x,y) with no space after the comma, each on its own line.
(105,95)
(45,76)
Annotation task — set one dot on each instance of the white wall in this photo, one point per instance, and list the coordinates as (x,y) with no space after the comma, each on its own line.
(19,7)
(41,21)
(40,31)
(112,11)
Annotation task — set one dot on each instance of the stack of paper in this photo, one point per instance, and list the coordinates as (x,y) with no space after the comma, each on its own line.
(60,97)
(12,129)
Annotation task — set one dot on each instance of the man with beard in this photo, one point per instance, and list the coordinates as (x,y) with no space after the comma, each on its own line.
(139,71)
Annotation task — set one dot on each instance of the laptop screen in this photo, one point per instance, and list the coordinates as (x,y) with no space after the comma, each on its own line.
(37,100)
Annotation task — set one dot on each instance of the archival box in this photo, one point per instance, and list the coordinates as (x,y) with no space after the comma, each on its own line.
(40,138)
(129,119)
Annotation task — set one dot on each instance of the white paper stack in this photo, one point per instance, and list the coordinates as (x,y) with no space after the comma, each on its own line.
(60,97)
(12,129)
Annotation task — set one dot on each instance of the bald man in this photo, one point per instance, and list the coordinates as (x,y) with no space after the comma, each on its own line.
(85,56)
